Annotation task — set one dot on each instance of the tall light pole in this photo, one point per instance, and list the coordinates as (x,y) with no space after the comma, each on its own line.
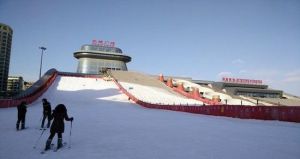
(43,49)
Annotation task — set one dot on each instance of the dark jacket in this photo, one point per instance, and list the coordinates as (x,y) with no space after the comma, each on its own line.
(59,114)
(22,109)
(46,108)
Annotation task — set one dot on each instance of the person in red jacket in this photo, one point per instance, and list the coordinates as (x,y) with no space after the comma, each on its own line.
(58,126)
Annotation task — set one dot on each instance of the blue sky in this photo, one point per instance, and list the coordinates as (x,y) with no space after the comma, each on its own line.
(203,39)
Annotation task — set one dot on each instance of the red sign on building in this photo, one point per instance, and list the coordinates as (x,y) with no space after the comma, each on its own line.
(241,81)
(103,43)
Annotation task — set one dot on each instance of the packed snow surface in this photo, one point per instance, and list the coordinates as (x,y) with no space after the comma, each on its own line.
(158,95)
(108,126)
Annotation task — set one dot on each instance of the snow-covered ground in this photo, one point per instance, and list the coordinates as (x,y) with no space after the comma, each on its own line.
(158,95)
(107,126)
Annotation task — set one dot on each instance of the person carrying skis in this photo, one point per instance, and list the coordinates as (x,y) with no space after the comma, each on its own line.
(22,109)
(58,126)
(46,113)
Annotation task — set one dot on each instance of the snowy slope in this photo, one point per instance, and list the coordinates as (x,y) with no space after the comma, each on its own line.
(107,125)
(157,95)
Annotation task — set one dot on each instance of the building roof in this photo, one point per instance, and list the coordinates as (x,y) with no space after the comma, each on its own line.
(101,52)
(222,85)
(5,27)
(89,47)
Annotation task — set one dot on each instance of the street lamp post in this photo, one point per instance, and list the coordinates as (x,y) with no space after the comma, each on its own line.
(43,49)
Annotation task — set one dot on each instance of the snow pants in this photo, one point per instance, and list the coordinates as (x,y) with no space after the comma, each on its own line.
(44,118)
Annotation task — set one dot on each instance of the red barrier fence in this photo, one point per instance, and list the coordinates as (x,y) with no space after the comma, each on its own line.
(4,103)
(191,96)
(180,89)
(32,96)
(281,113)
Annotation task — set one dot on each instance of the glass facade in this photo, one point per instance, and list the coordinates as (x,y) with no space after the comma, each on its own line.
(14,85)
(95,66)
(93,59)
(248,90)
(259,94)
(5,47)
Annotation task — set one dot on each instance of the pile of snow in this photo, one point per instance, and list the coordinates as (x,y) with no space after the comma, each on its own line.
(158,95)
(106,125)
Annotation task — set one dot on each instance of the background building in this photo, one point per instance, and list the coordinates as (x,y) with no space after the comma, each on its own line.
(249,90)
(5,47)
(15,85)
(93,59)
(27,85)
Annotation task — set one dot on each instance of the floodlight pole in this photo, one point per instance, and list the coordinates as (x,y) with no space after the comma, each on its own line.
(43,49)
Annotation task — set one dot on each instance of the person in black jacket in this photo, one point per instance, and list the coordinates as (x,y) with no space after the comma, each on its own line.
(22,109)
(46,113)
(58,126)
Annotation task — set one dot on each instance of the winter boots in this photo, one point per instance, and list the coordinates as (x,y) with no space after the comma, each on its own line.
(17,126)
(42,126)
(23,126)
(59,143)
(48,143)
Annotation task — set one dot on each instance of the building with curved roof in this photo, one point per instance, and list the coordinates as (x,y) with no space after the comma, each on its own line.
(93,59)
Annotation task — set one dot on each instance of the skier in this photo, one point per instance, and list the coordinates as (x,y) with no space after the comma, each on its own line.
(46,113)
(22,109)
(58,126)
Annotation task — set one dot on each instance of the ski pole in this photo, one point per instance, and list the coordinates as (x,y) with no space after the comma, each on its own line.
(70,135)
(40,119)
(39,139)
